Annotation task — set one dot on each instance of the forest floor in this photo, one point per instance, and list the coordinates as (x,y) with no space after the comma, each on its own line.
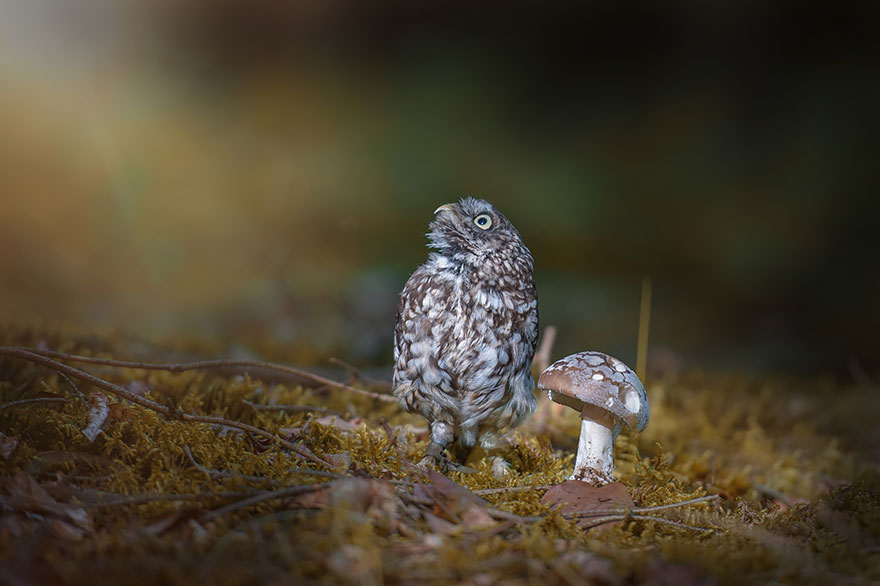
(242,474)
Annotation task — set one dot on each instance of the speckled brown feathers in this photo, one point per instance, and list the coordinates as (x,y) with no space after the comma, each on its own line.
(466,328)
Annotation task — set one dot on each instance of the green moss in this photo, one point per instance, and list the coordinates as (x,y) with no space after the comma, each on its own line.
(802,497)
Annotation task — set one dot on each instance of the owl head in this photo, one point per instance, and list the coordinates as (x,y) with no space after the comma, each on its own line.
(472,227)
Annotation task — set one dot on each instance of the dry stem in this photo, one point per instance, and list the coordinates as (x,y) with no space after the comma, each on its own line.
(31,356)
(208,364)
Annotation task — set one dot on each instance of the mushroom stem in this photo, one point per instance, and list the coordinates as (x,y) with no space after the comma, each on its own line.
(595,456)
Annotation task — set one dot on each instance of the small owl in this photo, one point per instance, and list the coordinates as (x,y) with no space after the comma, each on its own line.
(467,324)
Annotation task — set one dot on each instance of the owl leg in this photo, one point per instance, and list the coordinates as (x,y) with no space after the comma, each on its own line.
(492,445)
(441,436)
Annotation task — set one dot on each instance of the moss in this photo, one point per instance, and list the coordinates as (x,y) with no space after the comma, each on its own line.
(802,495)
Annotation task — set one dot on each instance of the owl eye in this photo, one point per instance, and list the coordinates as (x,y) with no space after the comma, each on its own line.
(483,221)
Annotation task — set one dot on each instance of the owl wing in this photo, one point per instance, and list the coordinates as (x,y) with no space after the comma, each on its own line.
(425,312)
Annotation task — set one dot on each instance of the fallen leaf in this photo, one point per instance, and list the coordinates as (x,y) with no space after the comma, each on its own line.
(343,425)
(357,565)
(576,497)
(172,520)
(584,564)
(662,573)
(454,502)
(342,460)
(25,494)
(120,412)
(67,531)
(319,499)
(139,387)
(8,444)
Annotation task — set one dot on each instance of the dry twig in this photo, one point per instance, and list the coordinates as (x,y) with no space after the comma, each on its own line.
(217,474)
(208,364)
(34,400)
(289,407)
(542,356)
(268,495)
(171,413)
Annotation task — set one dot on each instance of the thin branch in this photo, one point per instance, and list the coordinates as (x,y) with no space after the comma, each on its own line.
(289,407)
(208,364)
(775,494)
(321,473)
(72,384)
(141,499)
(639,510)
(268,495)
(34,400)
(217,474)
(545,350)
(514,489)
(694,501)
(26,354)
(23,386)
(356,374)
(617,518)
(493,512)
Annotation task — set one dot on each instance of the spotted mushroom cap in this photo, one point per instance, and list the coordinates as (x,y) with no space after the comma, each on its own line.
(601,380)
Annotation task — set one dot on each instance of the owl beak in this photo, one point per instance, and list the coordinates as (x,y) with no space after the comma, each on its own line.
(447,207)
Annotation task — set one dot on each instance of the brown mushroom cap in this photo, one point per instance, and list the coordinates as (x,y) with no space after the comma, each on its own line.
(594,378)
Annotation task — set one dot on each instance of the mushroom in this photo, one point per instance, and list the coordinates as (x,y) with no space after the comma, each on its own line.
(608,395)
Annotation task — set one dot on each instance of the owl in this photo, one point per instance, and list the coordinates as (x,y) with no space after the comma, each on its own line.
(466,330)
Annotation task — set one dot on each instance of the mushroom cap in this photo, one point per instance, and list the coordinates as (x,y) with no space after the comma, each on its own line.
(597,379)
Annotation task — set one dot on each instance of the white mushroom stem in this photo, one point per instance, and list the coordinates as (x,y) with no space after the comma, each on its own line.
(595,456)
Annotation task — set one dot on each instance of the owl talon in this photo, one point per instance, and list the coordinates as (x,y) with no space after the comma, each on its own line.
(428,462)
(434,457)
(500,467)
(435,451)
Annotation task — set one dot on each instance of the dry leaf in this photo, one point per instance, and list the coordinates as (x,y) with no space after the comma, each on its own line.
(8,444)
(25,494)
(319,499)
(139,387)
(582,498)
(454,502)
(120,412)
(64,530)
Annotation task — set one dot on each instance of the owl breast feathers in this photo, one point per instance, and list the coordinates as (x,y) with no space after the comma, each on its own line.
(466,327)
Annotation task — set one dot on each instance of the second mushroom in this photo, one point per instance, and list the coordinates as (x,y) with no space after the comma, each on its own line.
(608,395)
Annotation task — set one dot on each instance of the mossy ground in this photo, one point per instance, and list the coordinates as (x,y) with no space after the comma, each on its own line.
(795,462)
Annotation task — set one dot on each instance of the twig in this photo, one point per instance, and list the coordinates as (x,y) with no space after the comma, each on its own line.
(23,386)
(208,364)
(486,491)
(289,407)
(217,474)
(268,495)
(693,501)
(26,354)
(34,400)
(321,473)
(775,494)
(71,383)
(356,374)
(542,356)
(493,512)
(117,500)
(640,510)
(644,328)
(616,518)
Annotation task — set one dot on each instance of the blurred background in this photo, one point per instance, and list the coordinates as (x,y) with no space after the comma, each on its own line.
(262,173)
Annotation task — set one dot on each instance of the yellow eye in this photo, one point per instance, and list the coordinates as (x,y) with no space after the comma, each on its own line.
(483,221)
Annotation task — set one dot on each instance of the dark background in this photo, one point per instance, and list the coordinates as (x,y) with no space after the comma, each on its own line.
(262,173)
